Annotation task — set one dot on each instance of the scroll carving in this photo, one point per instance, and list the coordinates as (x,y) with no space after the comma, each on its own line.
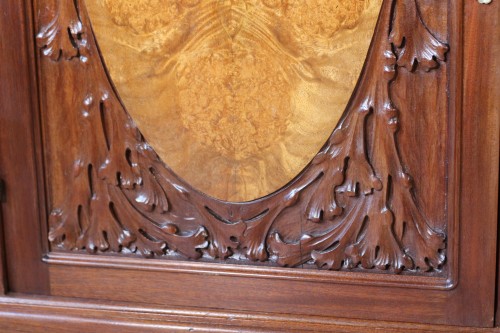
(355,195)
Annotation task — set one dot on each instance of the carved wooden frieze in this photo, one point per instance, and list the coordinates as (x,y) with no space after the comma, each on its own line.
(353,206)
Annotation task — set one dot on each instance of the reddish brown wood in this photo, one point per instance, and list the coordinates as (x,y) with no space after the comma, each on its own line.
(353,206)
(273,296)
(66,279)
(481,104)
(233,268)
(3,271)
(23,314)
(480,153)
(456,162)
(20,147)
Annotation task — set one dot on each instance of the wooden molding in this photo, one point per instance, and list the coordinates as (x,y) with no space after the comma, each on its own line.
(356,196)
(21,162)
(481,149)
(38,314)
(228,268)
(3,272)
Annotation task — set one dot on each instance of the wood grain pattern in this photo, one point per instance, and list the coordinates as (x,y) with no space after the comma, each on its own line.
(240,95)
(20,160)
(353,206)
(464,137)
(202,269)
(480,154)
(32,315)
(3,270)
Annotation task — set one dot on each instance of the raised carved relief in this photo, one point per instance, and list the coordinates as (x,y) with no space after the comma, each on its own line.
(254,87)
(355,197)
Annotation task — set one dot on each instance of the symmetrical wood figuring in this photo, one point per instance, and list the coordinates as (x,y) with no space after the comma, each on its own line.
(355,195)
(241,94)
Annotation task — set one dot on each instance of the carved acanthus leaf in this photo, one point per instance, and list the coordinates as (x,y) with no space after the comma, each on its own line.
(62,34)
(415,44)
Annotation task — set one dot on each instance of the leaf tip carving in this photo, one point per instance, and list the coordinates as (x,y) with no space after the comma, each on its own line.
(415,45)
(61,34)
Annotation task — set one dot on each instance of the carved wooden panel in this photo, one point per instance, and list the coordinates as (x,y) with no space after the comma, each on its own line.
(355,205)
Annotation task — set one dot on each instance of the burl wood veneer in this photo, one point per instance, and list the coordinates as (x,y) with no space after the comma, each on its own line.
(235,96)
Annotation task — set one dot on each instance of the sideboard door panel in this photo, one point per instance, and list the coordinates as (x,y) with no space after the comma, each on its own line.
(393,218)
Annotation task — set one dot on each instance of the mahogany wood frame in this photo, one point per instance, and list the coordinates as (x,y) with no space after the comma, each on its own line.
(466,303)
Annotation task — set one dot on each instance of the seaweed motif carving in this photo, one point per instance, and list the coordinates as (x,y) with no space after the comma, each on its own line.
(123,198)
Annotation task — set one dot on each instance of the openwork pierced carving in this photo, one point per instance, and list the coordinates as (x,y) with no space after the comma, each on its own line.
(355,197)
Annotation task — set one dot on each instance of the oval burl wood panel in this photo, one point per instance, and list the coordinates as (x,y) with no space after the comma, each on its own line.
(237,96)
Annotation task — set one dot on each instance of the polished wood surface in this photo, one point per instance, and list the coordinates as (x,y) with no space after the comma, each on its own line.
(20,159)
(353,207)
(240,95)
(480,154)
(450,147)
(3,272)
(58,315)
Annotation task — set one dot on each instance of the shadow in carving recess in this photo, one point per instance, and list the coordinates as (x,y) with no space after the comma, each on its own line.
(122,198)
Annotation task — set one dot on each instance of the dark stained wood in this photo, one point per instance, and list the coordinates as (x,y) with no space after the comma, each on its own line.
(20,148)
